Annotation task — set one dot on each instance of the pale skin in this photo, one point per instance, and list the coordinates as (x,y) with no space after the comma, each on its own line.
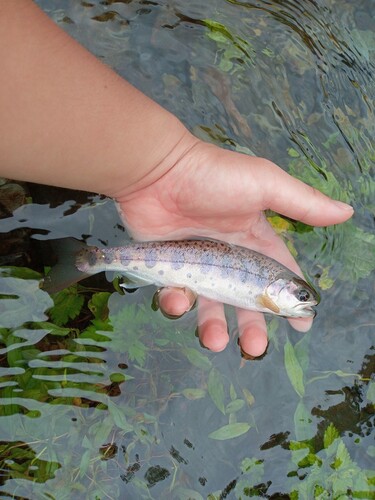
(68,120)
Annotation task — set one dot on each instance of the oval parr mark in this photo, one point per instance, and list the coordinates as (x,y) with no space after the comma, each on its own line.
(177,264)
(207,261)
(150,258)
(91,258)
(108,255)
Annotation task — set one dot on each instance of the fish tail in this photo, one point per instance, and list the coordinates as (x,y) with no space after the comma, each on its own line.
(65,272)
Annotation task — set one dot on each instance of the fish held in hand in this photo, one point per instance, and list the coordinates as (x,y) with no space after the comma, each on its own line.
(216,270)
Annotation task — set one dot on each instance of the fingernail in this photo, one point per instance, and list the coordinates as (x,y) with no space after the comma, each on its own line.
(343,206)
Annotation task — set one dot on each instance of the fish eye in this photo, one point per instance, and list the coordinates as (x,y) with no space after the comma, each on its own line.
(302,295)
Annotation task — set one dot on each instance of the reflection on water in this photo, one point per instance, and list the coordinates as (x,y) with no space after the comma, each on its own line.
(103,397)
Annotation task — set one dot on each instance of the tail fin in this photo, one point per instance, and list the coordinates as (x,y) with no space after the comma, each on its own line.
(65,272)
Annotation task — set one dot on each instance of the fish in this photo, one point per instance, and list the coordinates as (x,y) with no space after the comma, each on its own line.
(219,271)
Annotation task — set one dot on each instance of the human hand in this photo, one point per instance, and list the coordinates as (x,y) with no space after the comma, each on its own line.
(220,194)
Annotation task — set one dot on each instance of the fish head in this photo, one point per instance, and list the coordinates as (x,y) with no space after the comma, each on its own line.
(292,296)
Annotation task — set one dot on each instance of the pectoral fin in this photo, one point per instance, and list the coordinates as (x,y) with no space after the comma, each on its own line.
(265,302)
(132,281)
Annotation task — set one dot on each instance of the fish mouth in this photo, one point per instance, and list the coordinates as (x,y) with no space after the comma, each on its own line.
(305,310)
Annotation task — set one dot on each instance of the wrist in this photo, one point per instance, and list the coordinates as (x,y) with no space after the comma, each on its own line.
(170,149)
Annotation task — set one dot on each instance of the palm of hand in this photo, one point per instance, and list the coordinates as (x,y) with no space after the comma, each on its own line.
(217,200)
(210,196)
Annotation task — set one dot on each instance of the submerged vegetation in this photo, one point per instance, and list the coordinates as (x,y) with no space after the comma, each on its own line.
(97,370)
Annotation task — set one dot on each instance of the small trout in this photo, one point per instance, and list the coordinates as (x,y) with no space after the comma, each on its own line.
(213,269)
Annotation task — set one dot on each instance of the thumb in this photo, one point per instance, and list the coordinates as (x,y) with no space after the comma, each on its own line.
(293,198)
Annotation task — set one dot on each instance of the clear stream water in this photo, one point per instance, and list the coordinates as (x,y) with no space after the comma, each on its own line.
(120,402)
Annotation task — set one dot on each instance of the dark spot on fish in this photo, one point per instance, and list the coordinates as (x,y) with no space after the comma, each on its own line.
(92,258)
(244,270)
(226,266)
(188,275)
(161,272)
(135,268)
(207,262)
(243,274)
(125,258)
(108,256)
(150,257)
(177,264)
